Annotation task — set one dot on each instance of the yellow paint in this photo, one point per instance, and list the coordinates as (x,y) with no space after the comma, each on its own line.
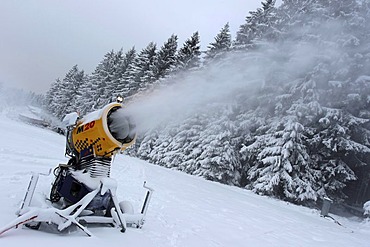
(92,131)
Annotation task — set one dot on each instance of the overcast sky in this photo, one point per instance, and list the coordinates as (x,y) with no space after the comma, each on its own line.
(42,39)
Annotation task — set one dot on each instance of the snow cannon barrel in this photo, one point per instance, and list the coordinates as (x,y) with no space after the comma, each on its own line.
(102,133)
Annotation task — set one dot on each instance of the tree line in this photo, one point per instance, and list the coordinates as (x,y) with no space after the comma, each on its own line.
(300,133)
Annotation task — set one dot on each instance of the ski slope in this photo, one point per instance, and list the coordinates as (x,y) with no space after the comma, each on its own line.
(184,211)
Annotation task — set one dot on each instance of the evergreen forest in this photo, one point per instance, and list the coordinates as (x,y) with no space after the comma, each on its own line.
(282,109)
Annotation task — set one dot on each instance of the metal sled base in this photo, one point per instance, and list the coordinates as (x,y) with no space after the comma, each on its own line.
(76,213)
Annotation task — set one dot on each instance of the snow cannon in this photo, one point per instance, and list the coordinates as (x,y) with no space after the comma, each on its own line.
(83,192)
(100,133)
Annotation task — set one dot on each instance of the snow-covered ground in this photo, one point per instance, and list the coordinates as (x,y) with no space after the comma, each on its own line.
(185,210)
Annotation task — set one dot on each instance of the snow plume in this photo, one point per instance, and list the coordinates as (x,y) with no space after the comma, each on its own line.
(120,125)
(238,74)
(196,93)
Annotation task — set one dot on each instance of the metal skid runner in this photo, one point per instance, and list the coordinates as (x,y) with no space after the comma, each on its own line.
(121,214)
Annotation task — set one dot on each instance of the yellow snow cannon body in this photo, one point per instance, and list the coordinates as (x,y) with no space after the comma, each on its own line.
(100,135)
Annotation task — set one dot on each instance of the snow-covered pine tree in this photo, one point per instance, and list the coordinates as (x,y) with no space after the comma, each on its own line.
(246,33)
(219,159)
(126,70)
(170,146)
(141,73)
(100,80)
(188,56)
(84,96)
(160,152)
(118,69)
(257,24)
(191,143)
(220,46)
(61,97)
(146,144)
(282,162)
(335,154)
(51,101)
(165,61)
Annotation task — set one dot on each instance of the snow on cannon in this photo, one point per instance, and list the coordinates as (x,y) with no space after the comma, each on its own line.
(83,192)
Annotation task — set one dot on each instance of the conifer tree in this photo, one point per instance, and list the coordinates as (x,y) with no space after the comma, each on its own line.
(219,160)
(166,58)
(73,80)
(283,164)
(114,79)
(101,79)
(220,46)
(84,96)
(52,96)
(141,73)
(188,56)
(61,98)
(126,71)
(259,23)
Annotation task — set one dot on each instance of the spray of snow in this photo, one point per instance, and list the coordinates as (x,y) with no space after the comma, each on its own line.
(197,92)
(120,125)
(187,96)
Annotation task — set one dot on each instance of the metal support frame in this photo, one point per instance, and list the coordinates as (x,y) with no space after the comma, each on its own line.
(73,214)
